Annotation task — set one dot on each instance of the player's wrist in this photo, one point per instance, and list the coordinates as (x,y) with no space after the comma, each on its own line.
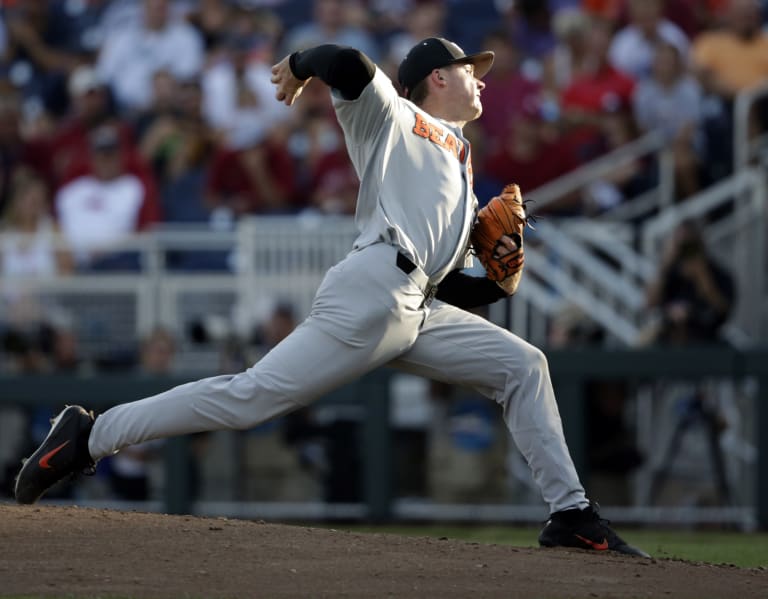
(296,71)
(511,283)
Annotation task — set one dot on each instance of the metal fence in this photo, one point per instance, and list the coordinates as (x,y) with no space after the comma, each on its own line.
(736,496)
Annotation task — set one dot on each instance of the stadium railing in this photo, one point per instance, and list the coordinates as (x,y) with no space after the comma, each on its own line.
(571,371)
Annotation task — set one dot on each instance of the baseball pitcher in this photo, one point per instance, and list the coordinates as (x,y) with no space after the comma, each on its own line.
(398,298)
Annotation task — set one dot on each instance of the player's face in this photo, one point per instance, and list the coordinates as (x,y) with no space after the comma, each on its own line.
(465,91)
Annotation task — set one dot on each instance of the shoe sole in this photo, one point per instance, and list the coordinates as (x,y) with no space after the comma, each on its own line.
(625,550)
(23,493)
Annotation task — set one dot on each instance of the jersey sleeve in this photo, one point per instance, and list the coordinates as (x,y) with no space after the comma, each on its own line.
(364,118)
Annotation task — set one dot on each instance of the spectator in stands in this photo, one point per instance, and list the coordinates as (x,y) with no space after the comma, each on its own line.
(609,11)
(98,210)
(28,254)
(332,24)
(178,144)
(530,27)
(334,185)
(508,92)
(671,100)
(568,58)
(132,55)
(691,16)
(30,251)
(729,60)
(592,96)
(158,352)
(526,156)
(626,180)
(692,293)
(257,178)
(38,57)
(425,19)
(212,19)
(16,152)
(238,100)
(91,107)
(633,47)
(322,164)
(165,88)
(30,238)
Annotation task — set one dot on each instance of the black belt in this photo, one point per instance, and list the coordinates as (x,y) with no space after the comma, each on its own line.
(405,264)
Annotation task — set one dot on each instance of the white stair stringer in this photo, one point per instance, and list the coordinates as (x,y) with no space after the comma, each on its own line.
(575,292)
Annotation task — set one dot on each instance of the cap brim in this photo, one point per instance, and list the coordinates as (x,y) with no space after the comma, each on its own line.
(483,61)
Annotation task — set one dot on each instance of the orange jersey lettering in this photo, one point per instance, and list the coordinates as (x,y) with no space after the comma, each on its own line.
(421,128)
(438,136)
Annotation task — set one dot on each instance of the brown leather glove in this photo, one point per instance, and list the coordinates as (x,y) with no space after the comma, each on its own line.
(504,215)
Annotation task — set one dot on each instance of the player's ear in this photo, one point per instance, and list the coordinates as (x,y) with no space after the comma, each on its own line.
(437,77)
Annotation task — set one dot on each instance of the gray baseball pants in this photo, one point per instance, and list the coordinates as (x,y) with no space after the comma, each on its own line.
(368,313)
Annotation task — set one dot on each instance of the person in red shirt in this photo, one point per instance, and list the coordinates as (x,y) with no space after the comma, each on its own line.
(90,109)
(99,209)
(16,151)
(256,179)
(598,91)
(508,91)
(534,159)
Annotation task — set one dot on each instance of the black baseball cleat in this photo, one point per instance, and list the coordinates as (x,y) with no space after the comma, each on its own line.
(64,452)
(584,529)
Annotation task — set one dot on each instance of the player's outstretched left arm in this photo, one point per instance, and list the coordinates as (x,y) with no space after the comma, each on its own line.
(345,69)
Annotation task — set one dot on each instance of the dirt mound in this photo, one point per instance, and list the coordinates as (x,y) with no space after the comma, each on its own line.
(55,551)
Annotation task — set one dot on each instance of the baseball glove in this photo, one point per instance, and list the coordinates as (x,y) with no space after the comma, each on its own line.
(506,215)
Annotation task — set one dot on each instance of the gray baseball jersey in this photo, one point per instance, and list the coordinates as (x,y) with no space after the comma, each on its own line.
(416,178)
(415,200)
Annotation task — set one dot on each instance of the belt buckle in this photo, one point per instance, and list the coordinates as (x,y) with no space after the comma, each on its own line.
(429,295)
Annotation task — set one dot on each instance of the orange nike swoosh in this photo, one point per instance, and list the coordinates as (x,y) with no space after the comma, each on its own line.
(44,460)
(596,546)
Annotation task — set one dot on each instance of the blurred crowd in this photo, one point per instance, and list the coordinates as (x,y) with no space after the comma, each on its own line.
(117,116)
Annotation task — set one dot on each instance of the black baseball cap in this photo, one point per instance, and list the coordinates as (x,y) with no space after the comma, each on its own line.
(434,53)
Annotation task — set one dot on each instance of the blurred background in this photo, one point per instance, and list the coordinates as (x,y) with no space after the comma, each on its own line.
(163,218)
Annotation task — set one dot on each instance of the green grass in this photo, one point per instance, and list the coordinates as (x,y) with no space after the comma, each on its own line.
(749,550)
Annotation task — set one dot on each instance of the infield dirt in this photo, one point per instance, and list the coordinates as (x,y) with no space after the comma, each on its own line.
(76,552)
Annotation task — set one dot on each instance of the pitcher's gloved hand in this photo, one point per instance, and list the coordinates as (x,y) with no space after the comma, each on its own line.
(497,237)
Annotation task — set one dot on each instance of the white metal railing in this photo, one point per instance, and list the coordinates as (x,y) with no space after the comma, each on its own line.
(614,239)
(601,308)
(747,187)
(608,235)
(652,143)
(736,238)
(609,296)
(285,258)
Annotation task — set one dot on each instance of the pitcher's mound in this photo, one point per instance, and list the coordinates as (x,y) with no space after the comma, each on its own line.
(70,551)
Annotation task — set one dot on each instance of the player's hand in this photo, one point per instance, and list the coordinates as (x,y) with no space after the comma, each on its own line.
(288,86)
(507,245)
